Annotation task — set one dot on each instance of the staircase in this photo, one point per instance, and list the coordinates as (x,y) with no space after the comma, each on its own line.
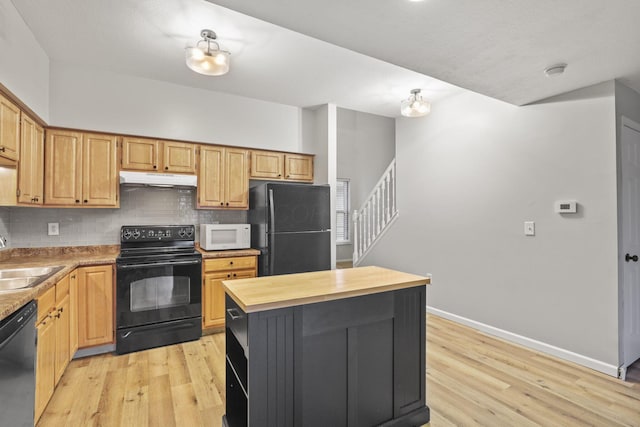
(376,215)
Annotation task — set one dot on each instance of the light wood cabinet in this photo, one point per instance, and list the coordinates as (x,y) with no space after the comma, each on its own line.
(45,364)
(31,164)
(276,166)
(73,315)
(9,131)
(54,335)
(214,272)
(95,305)
(80,169)
(223,178)
(144,154)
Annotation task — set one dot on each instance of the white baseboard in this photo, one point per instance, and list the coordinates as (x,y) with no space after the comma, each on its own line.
(540,346)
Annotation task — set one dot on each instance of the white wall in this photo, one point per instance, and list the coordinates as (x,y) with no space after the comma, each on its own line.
(471,173)
(98,100)
(366,146)
(24,68)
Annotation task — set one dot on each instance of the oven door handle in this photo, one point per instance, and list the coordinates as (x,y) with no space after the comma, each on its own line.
(159,264)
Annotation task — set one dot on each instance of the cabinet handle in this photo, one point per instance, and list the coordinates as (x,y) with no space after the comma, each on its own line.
(288,176)
(234,313)
(2,149)
(61,309)
(73,277)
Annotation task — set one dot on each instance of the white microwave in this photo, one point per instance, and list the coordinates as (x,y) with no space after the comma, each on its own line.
(217,237)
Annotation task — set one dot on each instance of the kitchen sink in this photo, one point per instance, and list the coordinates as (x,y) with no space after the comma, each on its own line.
(28,277)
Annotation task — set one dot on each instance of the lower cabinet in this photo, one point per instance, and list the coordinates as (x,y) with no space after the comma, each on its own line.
(356,361)
(95,305)
(54,335)
(214,272)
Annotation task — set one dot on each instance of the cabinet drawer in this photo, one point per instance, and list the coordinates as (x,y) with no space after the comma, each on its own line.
(233,263)
(46,302)
(236,321)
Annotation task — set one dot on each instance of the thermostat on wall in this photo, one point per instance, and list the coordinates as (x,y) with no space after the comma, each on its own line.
(566,206)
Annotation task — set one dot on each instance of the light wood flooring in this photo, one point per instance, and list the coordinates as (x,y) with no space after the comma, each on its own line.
(472,380)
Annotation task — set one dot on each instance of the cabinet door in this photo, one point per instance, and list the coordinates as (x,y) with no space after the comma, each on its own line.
(140,154)
(45,364)
(73,314)
(63,168)
(31,165)
(9,130)
(267,165)
(100,183)
(179,157)
(236,179)
(95,306)
(213,311)
(211,177)
(63,328)
(213,307)
(298,167)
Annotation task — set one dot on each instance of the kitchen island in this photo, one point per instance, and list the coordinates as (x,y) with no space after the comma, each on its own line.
(340,348)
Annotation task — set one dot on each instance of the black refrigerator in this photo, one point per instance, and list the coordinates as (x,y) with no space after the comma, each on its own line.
(291,226)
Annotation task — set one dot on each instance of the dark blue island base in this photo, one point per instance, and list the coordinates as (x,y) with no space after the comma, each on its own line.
(355,361)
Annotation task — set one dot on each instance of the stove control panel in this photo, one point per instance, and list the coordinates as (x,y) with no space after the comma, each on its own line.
(156,233)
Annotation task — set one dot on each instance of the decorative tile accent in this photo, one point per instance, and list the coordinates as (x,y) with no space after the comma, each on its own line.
(84,227)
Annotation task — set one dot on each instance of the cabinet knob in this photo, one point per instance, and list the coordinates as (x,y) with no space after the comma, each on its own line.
(234,274)
(77,201)
(86,201)
(227,203)
(2,149)
(228,275)
(155,167)
(221,204)
(279,174)
(288,176)
(230,262)
(166,168)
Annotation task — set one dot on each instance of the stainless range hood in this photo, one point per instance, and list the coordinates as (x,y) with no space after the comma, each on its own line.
(157,179)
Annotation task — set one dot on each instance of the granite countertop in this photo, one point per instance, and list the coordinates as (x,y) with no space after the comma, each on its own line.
(68,257)
(229,253)
(271,292)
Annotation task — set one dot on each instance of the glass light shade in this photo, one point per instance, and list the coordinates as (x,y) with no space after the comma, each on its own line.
(415,106)
(208,62)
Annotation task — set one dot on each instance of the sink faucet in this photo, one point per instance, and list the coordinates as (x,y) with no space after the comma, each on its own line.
(3,242)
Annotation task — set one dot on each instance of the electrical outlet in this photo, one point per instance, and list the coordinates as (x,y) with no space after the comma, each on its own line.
(53,229)
(529,228)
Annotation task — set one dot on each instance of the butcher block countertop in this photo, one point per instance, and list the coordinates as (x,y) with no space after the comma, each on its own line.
(271,292)
(68,257)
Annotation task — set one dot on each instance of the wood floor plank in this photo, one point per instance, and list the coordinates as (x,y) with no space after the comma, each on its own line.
(472,379)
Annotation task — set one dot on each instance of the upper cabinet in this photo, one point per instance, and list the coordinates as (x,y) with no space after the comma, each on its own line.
(144,154)
(31,164)
(81,169)
(9,131)
(273,165)
(223,178)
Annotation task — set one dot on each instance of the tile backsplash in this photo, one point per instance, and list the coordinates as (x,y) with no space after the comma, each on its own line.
(27,227)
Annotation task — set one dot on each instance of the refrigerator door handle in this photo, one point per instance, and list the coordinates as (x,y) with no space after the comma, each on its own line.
(270,236)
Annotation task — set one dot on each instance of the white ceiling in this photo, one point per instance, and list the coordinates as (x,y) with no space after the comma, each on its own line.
(493,47)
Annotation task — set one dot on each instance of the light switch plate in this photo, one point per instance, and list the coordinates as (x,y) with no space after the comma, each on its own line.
(529,228)
(53,229)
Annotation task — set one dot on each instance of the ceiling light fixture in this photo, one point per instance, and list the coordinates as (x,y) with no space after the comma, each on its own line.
(555,70)
(415,106)
(209,61)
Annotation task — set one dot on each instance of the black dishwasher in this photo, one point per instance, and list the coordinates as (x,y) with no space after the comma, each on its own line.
(17,366)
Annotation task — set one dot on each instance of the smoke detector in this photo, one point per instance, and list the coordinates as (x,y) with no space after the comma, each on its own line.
(555,70)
